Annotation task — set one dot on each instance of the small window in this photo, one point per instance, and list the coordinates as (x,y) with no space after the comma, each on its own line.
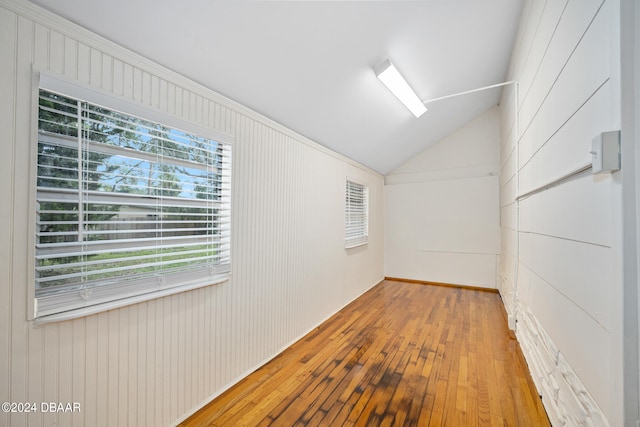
(356,214)
(124,206)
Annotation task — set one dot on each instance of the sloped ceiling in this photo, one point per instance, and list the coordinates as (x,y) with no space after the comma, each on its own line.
(309,64)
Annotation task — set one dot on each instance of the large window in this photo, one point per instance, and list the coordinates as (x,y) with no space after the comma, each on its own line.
(126,206)
(356,214)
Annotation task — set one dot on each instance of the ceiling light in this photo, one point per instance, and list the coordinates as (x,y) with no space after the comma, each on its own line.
(389,75)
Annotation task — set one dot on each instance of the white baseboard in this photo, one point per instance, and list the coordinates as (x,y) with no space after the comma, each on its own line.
(511,322)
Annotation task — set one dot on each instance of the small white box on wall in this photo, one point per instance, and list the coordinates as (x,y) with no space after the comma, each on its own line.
(605,152)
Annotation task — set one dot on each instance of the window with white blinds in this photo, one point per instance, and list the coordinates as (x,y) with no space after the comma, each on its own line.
(356,214)
(125,206)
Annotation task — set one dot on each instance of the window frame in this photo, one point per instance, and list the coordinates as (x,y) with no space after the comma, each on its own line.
(362,238)
(119,297)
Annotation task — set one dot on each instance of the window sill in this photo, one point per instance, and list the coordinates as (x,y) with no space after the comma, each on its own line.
(355,245)
(111,305)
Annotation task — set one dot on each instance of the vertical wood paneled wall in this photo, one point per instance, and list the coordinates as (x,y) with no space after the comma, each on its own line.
(154,363)
(560,269)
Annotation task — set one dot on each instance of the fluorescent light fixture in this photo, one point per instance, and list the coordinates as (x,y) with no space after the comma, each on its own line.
(389,75)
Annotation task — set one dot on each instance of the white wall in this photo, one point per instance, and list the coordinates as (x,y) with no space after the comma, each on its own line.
(441,209)
(560,268)
(154,363)
(630,120)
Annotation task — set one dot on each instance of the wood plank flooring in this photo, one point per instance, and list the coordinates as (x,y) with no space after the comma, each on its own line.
(402,354)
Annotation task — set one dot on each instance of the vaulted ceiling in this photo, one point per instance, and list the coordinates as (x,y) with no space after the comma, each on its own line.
(309,64)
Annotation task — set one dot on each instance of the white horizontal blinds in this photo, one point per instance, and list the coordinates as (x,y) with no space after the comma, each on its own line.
(125,205)
(356,214)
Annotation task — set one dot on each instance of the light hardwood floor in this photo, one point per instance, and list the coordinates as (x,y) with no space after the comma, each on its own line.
(402,354)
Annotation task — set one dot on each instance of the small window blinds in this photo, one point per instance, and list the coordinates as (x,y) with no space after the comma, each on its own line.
(356,214)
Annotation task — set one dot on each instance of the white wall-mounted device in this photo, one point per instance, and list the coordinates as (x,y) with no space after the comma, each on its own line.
(605,152)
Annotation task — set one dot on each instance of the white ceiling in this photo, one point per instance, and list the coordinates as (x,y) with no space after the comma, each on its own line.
(309,64)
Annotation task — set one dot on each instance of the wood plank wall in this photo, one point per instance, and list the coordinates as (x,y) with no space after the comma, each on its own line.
(156,362)
(442,216)
(560,270)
